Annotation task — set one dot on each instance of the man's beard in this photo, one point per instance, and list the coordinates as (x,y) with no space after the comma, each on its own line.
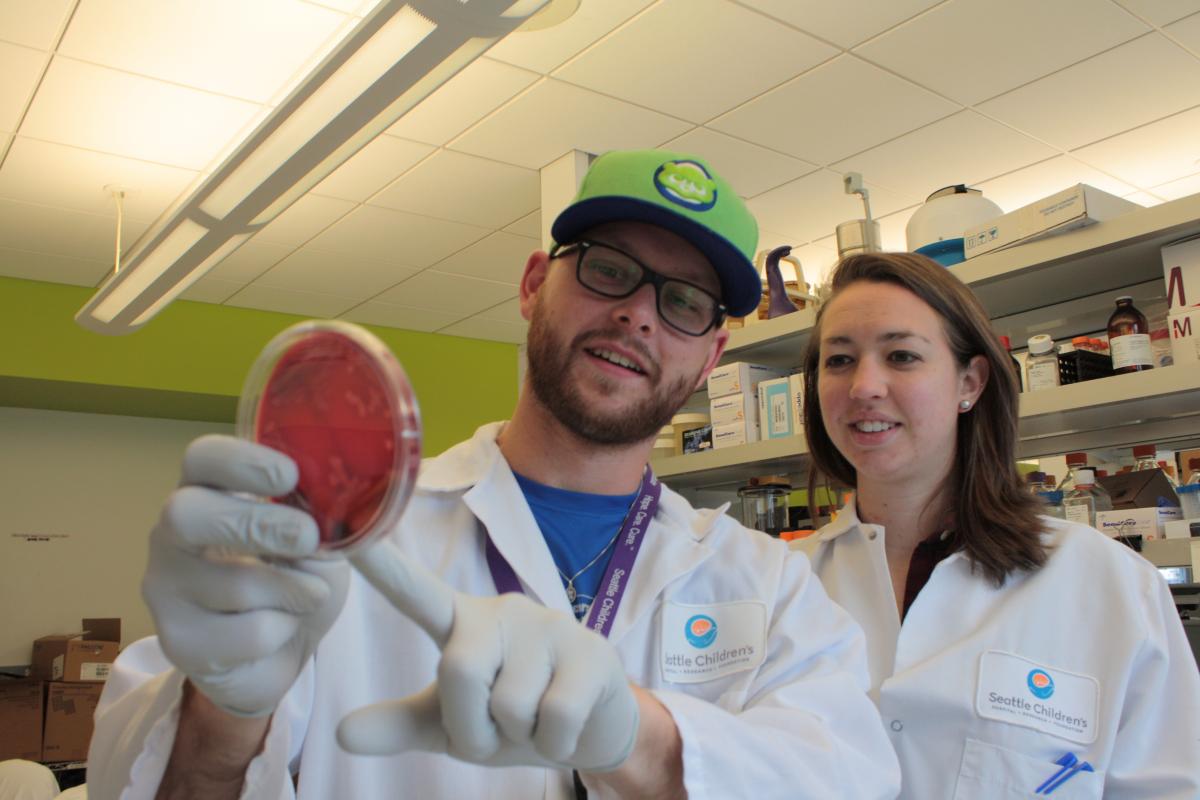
(549,376)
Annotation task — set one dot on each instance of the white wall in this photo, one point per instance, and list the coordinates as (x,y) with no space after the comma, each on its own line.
(78,496)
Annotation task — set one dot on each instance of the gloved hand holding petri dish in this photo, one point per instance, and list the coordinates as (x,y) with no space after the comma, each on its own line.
(332,397)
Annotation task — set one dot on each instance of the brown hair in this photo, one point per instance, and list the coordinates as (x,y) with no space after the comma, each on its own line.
(996,519)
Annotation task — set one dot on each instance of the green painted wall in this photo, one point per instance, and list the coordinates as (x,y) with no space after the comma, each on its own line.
(189,362)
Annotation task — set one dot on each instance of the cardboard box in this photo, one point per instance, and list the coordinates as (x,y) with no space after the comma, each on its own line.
(733,434)
(739,407)
(1063,211)
(21,719)
(796,388)
(1149,523)
(775,414)
(1183,326)
(72,657)
(740,377)
(1181,271)
(70,708)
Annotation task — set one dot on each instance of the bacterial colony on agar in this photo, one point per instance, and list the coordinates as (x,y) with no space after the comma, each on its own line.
(332,397)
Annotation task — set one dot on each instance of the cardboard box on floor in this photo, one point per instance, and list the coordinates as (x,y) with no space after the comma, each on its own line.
(70,708)
(85,656)
(21,719)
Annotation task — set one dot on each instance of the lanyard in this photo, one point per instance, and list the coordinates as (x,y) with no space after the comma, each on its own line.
(620,564)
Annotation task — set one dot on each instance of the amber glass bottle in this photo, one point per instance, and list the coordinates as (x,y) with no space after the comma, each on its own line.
(1129,338)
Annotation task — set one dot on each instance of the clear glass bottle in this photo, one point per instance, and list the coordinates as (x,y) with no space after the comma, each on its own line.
(1129,338)
(1145,456)
(1193,471)
(1035,482)
(1016,365)
(1054,504)
(1042,363)
(1082,502)
(1075,462)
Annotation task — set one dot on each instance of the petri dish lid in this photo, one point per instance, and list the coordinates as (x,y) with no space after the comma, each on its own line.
(331,395)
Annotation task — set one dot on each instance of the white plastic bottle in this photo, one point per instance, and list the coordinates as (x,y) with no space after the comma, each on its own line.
(1042,364)
(1081,503)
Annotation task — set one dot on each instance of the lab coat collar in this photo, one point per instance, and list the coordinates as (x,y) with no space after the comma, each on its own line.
(674,543)
(847,520)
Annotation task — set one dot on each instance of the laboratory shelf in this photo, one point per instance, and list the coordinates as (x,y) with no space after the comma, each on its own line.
(730,467)
(777,342)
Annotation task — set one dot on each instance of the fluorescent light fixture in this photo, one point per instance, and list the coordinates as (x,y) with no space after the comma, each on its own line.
(399,54)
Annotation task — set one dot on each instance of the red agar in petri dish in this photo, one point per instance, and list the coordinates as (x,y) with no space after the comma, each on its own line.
(334,398)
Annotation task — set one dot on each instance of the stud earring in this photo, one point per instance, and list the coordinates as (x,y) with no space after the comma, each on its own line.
(964,405)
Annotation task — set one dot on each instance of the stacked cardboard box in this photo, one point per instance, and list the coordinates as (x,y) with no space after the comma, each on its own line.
(1181,270)
(733,401)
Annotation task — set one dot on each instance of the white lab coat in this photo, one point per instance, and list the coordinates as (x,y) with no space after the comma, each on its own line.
(798,725)
(1096,609)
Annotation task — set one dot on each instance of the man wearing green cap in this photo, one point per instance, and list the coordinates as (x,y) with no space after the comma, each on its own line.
(547,620)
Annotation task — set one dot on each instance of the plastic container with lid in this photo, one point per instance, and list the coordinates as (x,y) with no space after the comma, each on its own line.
(1042,364)
(1145,456)
(765,504)
(1189,500)
(1016,365)
(1193,471)
(936,228)
(1075,462)
(1054,504)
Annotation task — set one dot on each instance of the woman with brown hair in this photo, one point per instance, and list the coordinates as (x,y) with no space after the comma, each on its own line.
(1010,653)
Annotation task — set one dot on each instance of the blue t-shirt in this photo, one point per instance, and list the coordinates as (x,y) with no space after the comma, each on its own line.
(577,527)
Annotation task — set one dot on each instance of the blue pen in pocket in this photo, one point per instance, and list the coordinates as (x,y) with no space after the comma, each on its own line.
(1065,762)
(1082,766)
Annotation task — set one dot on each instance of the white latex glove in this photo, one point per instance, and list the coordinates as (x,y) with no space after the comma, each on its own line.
(518,683)
(238,606)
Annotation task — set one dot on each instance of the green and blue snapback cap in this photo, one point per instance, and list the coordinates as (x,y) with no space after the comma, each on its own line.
(682,194)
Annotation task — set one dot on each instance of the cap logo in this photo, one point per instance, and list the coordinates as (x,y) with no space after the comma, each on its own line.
(687,184)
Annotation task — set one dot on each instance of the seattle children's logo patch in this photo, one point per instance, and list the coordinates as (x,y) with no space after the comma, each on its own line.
(687,184)
(701,631)
(1041,685)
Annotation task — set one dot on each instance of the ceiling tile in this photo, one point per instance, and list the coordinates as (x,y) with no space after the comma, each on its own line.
(231,47)
(1180,188)
(323,272)
(1151,155)
(1028,185)
(212,290)
(53,268)
(307,217)
(1144,199)
(892,229)
(1161,12)
(1187,32)
(68,177)
(750,169)
(970,50)
(404,317)
(396,237)
(629,64)
(289,301)
(1140,81)
(529,226)
(509,311)
(553,118)
(357,7)
(543,50)
(21,67)
(813,206)
(964,148)
(92,237)
(32,24)
(816,262)
(808,116)
(846,22)
(372,168)
(248,262)
(490,329)
(499,257)
(464,188)
(449,294)
(114,112)
(462,101)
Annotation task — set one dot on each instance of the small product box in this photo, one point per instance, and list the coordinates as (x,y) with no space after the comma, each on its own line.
(1149,523)
(1181,271)
(1071,208)
(85,656)
(1183,324)
(740,377)
(69,711)
(733,433)
(775,409)
(740,407)
(20,719)
(796,390)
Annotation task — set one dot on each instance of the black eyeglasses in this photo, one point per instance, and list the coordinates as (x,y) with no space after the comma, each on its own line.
(608,271)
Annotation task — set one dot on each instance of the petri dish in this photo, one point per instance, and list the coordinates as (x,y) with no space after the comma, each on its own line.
(331,395)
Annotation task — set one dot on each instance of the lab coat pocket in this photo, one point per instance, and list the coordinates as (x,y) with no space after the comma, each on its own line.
(989,772)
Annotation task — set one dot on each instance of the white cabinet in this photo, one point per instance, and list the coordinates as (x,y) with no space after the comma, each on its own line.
(1063,285)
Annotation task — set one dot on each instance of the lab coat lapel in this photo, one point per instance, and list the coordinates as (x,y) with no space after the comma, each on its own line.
(668,552)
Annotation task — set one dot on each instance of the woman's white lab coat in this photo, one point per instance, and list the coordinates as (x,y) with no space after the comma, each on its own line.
(959,683)
(778,708)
